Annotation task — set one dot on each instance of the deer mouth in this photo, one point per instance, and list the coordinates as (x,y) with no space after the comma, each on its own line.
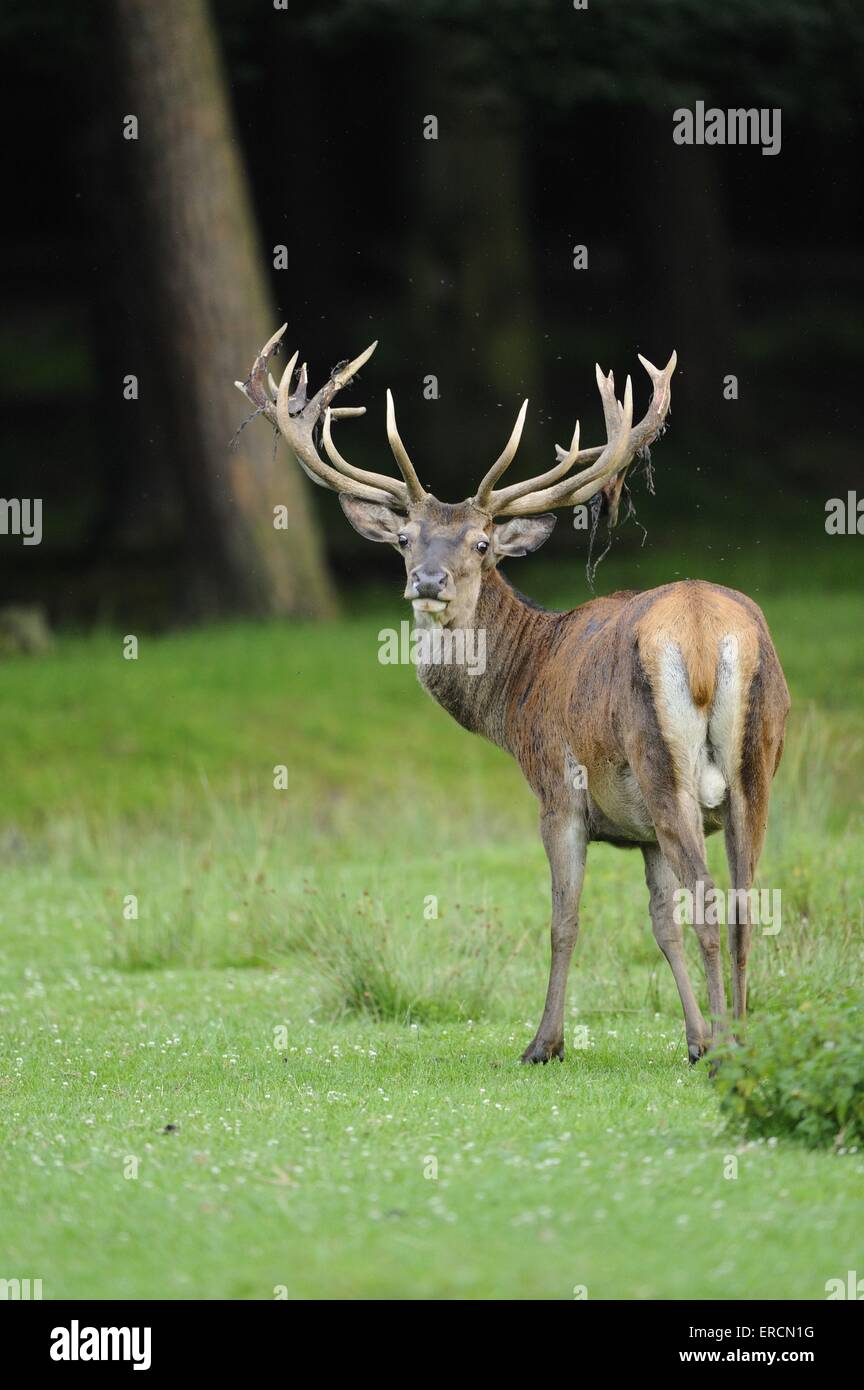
(429,605)
(433,607)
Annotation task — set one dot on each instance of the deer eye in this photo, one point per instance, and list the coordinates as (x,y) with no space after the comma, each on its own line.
(482,546)
(402,539)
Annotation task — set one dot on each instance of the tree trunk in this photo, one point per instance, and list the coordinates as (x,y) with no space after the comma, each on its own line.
(206,276)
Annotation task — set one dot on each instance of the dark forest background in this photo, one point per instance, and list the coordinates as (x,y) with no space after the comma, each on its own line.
(303,126)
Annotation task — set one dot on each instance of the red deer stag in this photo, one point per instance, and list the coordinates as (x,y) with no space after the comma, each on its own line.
(644,719)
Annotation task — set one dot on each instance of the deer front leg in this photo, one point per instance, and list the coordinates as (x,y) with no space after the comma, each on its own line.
(565,840)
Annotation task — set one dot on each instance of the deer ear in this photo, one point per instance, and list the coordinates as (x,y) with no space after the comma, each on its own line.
(523,534)
(372,519)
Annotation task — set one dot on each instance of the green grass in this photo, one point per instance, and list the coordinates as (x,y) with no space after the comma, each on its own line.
(321,1040)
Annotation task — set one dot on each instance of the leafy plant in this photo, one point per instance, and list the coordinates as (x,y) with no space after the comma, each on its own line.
(800,1074)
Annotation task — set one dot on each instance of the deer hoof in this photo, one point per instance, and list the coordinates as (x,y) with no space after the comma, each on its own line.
(540,1051)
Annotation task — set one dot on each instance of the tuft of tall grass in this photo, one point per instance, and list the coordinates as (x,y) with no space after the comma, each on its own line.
(436,971)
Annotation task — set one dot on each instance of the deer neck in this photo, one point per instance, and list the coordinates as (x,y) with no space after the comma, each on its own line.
(478,674)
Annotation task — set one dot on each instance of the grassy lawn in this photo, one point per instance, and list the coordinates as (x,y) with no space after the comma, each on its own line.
(296,1067)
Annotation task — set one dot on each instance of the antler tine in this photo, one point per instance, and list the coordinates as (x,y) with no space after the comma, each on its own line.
(604,462)
(255,387)
(606,387)
(289,371)
(344,374)
(391,485)
(502,463)
(296,417)
(416,491)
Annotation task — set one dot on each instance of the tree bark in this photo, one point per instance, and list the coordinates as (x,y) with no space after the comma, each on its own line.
(205,272)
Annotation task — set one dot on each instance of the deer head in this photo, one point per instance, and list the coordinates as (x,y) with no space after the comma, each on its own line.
(448,547)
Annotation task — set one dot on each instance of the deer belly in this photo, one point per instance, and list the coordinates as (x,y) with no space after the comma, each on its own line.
(619,814)
(618,810)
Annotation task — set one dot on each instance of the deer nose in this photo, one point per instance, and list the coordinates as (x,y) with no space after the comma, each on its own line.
(428,583)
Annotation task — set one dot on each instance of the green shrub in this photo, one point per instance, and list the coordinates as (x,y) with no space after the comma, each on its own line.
(800,1073)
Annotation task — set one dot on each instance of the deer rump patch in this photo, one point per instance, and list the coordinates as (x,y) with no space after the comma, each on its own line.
(700,650)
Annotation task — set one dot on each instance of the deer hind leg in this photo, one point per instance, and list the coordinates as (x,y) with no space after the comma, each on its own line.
(672,765)
(746,823)
(669,936)
(754,743)
(565,840)
(682,841)
(742,866)
(677,819)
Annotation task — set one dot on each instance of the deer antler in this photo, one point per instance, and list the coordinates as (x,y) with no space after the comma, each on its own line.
(607,464)
(295,416)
